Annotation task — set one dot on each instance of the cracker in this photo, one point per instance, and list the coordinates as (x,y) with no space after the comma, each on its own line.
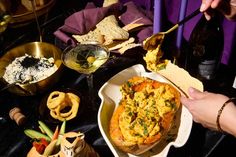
(94,35)
(128,46)
(111,30)
(107,3)
(119,44)
(181,77)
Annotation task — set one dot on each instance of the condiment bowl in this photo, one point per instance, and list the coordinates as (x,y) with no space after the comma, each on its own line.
(35,49)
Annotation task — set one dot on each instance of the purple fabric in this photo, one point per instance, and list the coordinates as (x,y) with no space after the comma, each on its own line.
(85,20)
(132,13)
(64,37)
(144,33)
(172,11)
(90,5)
(229,41)
(147,4)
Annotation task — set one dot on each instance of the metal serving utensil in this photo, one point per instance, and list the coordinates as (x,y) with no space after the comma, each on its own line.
(156,39)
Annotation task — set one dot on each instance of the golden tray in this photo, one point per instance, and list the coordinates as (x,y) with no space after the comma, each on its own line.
(21,16)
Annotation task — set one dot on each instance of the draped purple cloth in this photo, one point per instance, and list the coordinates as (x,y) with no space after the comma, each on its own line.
(132,13)
(85,20)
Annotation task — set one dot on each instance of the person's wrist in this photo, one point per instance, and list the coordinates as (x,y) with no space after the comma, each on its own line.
(227,119)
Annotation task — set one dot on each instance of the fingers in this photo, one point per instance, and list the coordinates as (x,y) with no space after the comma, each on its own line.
(206,4)
(185,101)
(195,94)
(189,104)
(215,4)
(207,16)
(233,2)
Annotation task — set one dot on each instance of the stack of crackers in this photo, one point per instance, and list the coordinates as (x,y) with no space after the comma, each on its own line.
(110,34)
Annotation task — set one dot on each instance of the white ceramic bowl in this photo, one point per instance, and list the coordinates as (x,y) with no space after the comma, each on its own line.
(110,96)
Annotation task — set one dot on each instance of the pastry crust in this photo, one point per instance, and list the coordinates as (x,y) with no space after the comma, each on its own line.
(145,114)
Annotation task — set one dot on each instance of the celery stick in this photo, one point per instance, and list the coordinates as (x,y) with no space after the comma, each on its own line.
(35,134)
(63,128)
(50,148)
(61,133)
(46,129)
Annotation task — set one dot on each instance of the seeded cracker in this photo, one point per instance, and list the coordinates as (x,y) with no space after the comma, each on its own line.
(181,77)
(94,35)
(111,30)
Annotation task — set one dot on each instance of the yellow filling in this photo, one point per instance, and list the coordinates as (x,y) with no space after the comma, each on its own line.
(144,110)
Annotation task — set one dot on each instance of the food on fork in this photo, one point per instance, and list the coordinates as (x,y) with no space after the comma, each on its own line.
(153,57)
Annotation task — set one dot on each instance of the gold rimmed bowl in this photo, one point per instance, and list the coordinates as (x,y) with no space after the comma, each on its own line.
(35,49)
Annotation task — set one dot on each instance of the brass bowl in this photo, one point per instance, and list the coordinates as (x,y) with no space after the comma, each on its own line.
(21,16)
(36,49)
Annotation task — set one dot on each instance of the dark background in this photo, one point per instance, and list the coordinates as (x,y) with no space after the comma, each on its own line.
(14,143)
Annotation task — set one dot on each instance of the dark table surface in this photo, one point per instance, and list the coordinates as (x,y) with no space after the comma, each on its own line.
(13,142)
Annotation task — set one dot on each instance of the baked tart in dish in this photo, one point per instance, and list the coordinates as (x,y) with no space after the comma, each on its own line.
(145,114)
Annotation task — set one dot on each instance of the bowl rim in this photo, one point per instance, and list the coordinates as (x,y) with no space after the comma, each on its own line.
(8,58)
(184,128)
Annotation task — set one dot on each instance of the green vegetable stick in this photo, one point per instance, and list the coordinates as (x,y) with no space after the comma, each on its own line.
(41,129)
(50,148)
(35,134)
(63,128)
(62,132)
(46,129)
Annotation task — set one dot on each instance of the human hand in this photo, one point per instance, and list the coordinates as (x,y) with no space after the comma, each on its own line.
(227,8)
(207,6)
(204,106)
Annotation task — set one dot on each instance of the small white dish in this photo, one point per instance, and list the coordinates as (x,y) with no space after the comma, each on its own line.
(110,97)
